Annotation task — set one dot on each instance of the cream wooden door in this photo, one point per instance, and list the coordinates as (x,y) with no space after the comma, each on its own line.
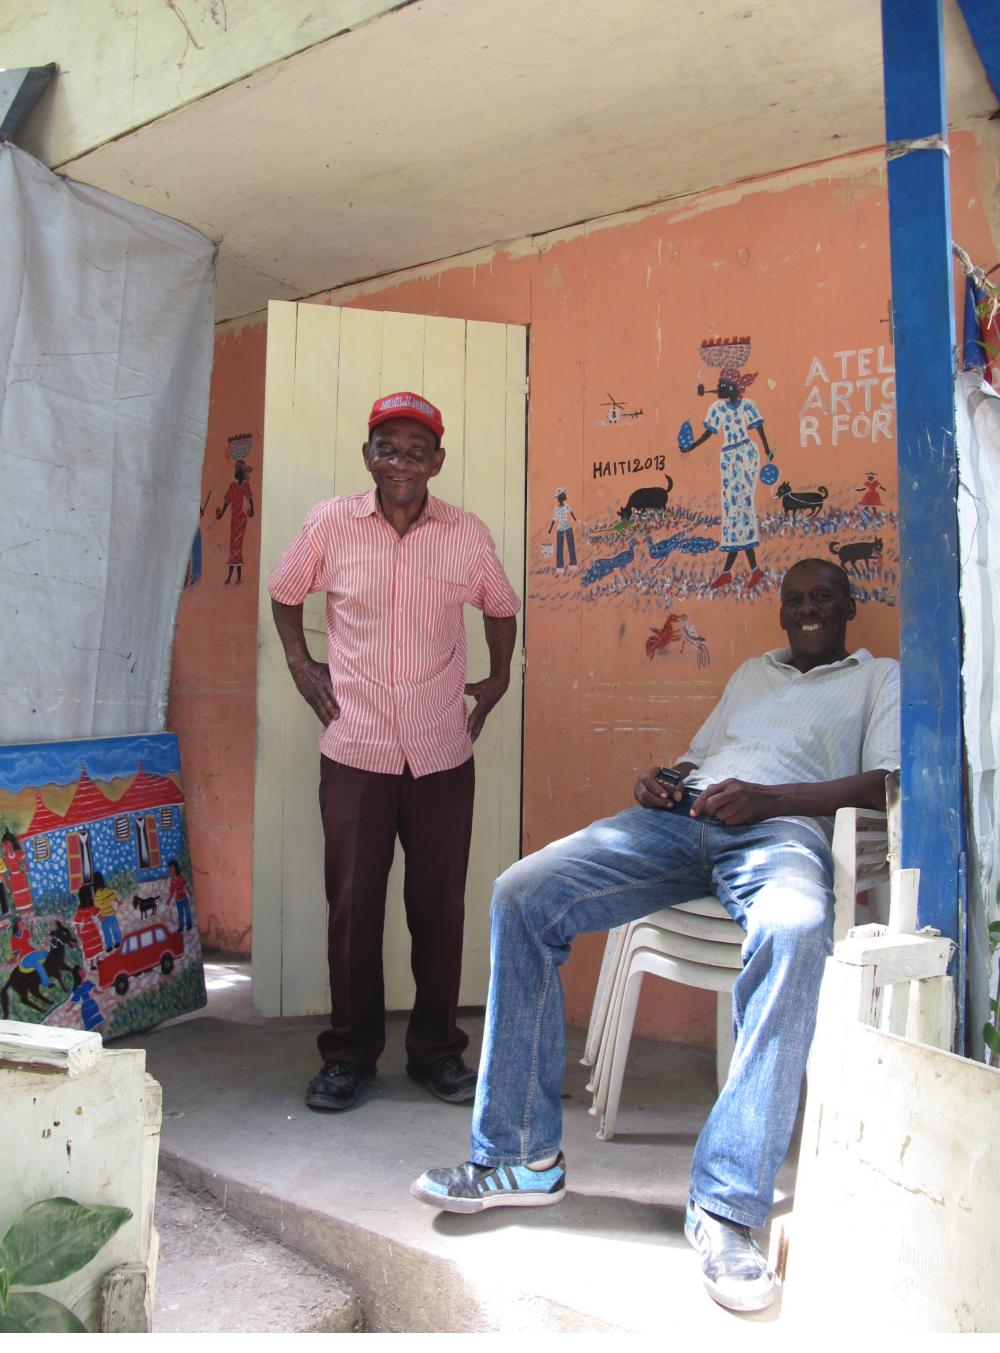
(325,368)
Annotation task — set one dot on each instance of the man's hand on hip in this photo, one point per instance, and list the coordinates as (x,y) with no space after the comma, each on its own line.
(486,693)
(312,680)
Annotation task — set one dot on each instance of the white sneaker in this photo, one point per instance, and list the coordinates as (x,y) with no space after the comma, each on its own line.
(732,1266)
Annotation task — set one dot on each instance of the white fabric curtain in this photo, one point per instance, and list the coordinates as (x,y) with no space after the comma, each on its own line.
(978,434)
(106,315)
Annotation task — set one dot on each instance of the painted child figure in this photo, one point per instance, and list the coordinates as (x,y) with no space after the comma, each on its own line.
(85,921)
(736,417)
(15,871)
(83,996)
(562,515)
(870,491)
(106,903)
(178,890)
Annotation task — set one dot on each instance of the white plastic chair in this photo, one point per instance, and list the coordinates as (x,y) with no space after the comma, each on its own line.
(698,945)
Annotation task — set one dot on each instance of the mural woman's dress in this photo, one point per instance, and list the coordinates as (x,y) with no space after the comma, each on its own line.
(740,464)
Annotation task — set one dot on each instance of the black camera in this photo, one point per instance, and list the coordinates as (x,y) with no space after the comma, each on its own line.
(670,779)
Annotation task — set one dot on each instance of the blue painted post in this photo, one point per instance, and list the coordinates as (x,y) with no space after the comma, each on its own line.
(933,812)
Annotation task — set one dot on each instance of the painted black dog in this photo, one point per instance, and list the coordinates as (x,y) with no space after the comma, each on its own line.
(646,500)
(145,906)
(801,500)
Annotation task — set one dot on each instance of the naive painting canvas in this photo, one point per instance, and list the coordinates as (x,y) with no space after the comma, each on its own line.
(98,928)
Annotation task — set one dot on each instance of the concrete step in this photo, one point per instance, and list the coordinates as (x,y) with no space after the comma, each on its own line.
(218,1276)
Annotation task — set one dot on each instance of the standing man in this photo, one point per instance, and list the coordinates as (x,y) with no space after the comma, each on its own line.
(398,567)
(799,732)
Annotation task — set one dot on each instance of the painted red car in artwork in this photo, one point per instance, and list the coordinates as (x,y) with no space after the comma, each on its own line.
(142,951)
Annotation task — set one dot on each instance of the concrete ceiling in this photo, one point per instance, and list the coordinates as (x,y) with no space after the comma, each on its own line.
(452,124)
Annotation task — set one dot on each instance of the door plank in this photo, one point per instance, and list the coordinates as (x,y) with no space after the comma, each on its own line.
(272,674)
(444,385)
(360,386)
(402,353)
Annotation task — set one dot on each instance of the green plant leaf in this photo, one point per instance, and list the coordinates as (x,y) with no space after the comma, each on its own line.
(56,1237)
(8,1326)
(994,928)
(4,1284)
(39,1314)
(991,1037)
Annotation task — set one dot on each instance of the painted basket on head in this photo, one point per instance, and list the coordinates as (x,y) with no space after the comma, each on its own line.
(720,352)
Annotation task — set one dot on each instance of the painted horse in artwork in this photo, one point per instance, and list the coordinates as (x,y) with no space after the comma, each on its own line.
(28,985)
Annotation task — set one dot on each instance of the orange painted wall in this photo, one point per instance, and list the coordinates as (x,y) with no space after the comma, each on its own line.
(800,264)
(213,688)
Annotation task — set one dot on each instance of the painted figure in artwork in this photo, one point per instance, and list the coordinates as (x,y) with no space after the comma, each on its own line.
(22,947)
(735,417)
(869,491)
(562,515)
(16,876)
(106,903)
(85,921)
(237,495)
(28,980)
(179,892)
(83,996)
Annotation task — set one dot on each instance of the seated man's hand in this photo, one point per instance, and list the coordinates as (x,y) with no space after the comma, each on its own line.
(649,793)
(735,802)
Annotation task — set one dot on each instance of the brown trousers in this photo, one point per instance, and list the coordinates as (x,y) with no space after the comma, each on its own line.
(363,812)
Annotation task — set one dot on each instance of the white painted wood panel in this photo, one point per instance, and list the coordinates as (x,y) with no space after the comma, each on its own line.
(90,1137)
(125,64)
(325,368)
(898,1192)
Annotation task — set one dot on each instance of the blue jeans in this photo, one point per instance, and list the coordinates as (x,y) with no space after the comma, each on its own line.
(774,878)
(567,537)
(111,931)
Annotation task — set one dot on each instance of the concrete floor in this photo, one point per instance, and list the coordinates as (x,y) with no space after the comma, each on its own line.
(334,1188)
(216,1276)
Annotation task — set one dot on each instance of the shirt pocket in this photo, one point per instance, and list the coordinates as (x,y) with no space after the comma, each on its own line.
(443,594)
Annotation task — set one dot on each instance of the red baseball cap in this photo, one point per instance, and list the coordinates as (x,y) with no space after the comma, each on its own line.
(405,404)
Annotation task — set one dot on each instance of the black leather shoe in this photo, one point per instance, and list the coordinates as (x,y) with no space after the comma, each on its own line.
(337,1085)
(448,1079)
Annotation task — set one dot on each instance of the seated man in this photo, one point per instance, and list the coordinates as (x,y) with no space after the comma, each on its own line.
(798,733)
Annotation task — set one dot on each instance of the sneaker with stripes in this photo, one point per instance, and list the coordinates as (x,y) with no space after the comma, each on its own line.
(471,1187)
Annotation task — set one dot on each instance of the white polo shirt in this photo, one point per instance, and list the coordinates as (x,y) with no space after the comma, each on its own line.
(776,725)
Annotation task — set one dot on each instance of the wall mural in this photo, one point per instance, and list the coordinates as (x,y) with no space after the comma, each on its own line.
(96,910)
(239,501)
(618,412)
(655,548)
(565,543)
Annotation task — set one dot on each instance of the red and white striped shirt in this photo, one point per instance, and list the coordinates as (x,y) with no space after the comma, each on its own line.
(395,626)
